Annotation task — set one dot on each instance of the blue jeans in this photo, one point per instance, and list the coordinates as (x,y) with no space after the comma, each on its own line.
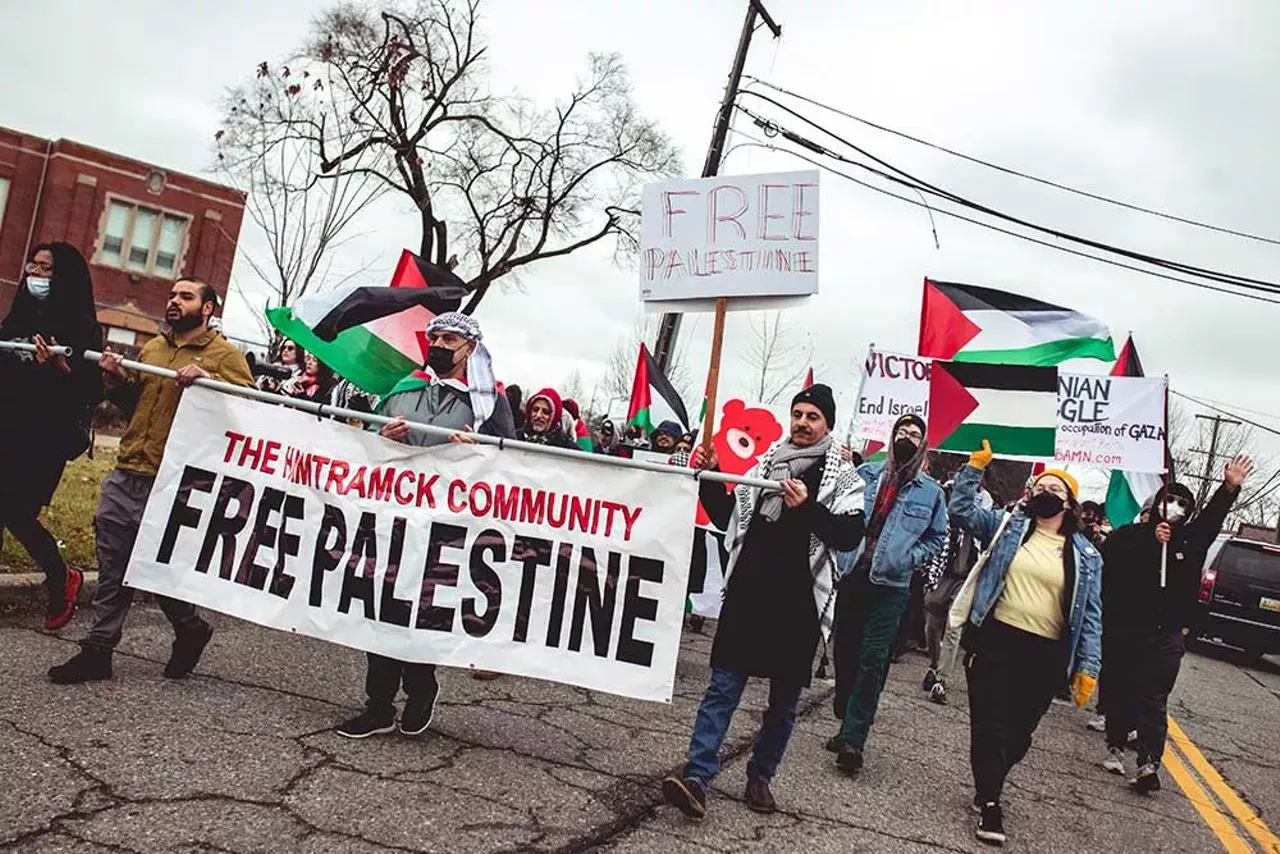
(716,712)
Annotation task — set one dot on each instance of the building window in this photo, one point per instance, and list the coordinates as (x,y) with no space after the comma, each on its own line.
(142,240)
(4,198)
(116,335)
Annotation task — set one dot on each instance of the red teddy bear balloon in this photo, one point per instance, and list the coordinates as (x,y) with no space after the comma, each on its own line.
(744,434)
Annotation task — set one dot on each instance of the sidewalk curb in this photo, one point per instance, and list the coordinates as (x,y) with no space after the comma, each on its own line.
(29,586)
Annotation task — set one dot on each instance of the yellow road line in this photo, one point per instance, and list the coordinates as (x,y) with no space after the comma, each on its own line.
(1244,814)
(1221,826)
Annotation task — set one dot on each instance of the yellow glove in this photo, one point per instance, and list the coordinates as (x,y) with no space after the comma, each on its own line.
(981,459)
(1082,685)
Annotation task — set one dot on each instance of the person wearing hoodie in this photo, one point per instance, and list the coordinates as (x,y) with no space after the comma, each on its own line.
(665,437)
(543,417)
(49,402)
(609,444)
(1146,622)
(1035,617)
(906,515)
(777,593)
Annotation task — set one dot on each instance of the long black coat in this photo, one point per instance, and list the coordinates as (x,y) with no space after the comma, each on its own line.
(769,623)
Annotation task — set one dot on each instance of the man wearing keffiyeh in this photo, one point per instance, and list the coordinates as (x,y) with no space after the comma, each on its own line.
(777,592)
(456,390)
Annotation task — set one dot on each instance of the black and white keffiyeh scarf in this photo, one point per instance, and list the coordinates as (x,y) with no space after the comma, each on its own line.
(840,491)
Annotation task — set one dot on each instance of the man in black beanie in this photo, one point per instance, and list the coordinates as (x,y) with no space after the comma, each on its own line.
(1145,624)
(778,592)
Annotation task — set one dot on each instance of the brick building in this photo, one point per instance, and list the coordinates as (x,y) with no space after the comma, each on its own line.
(139,226)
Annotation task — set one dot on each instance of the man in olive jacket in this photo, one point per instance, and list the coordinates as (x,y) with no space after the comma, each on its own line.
(194,350)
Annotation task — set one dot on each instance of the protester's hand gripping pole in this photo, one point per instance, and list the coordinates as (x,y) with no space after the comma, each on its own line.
(324,409)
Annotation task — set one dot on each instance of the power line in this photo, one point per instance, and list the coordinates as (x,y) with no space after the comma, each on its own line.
(1004,231)
(909,180)
(1223,411)
(1016,173)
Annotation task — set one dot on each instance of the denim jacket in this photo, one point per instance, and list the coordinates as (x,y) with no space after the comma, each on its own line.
(1085,635)
(914,533)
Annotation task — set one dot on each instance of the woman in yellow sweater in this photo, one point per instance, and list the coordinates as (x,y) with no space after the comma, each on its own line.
(1036,615)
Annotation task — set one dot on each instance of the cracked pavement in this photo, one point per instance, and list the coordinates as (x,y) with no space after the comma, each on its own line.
(242,757)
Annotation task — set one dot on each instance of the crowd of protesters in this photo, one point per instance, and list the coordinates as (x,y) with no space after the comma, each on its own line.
(857,557)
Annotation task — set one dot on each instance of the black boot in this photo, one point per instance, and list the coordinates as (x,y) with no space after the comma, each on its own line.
(188,646)
(90,664)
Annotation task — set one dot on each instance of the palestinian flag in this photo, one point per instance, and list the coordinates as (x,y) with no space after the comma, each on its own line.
(371,335)
(966,323)
(653,398)
(582,436)
(1015,407)
(1128,490)
(808,380)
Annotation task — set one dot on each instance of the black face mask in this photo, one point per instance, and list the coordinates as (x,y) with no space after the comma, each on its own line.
(903,450)
(440,359)
(1045,505)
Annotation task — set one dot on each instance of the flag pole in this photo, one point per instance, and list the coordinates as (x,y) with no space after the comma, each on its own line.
(1168,459)
(713,372)
(325,410)
(862,384)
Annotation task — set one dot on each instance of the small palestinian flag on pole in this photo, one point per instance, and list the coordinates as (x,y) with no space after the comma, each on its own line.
(967,323)
(1015,407)
(1128,489)
(370,335)
(653,398)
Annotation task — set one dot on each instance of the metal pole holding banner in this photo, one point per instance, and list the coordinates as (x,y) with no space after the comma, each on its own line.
(324,409)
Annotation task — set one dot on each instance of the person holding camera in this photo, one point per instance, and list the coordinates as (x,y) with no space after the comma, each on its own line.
(50,401)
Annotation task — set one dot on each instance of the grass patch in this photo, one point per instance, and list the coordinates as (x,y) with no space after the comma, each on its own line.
(70,517)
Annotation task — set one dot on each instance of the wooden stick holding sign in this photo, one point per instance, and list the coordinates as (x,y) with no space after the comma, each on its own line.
(713,373)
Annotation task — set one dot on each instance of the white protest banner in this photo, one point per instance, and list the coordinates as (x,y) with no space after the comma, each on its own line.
(1116,422)
(1113,422)
(893,385)
(730,236)
(460,555)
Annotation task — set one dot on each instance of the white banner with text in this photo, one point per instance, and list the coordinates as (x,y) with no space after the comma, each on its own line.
(459,555)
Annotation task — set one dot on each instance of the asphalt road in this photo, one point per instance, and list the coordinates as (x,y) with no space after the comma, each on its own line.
(242,757)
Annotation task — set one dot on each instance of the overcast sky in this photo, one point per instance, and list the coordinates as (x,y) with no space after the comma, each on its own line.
(1170,104)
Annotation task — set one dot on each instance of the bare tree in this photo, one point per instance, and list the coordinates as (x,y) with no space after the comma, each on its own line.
(302,219)
(405,100)
(777,356)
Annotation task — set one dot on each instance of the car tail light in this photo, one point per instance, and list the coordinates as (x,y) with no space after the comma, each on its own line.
(1207,581)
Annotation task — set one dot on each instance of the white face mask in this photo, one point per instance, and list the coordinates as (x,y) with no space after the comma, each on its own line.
(38,287)
(1174,512)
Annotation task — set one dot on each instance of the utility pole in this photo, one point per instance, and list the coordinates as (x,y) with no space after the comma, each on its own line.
(1211,455)
(669,328)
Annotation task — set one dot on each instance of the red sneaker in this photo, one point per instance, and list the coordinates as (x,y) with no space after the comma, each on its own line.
(75,580)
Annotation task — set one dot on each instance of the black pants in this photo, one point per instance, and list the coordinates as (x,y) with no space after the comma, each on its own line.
(43,548)
(1141,672)
(912,626)
(384,677)
(1013,676)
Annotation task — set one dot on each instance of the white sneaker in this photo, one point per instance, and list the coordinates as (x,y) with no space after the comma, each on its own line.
(1097,724)
(1114,761)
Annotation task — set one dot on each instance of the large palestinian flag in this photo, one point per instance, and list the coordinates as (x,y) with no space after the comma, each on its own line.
(653,398)
(370,335)
(967,323)
(1128,490)
(1015,407)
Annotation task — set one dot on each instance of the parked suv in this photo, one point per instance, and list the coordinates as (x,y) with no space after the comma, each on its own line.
(1240,596)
